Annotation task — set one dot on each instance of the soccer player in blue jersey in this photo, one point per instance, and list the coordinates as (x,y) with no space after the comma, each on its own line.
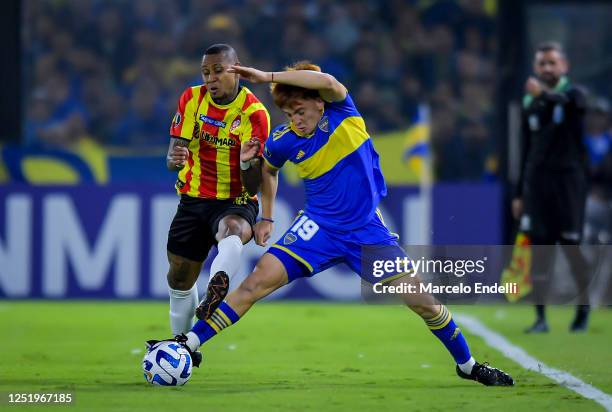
(326,139)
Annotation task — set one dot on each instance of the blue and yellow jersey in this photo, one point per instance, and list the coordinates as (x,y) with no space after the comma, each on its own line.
(340,168)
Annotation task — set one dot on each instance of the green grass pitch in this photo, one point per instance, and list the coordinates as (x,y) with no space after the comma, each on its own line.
(290,356)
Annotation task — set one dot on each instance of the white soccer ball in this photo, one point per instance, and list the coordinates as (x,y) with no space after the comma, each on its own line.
(167,364)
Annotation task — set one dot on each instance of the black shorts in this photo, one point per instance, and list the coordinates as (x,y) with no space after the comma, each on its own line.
(193,229)
(554,207)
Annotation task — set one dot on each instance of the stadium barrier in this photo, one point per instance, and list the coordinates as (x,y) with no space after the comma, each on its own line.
(108,241)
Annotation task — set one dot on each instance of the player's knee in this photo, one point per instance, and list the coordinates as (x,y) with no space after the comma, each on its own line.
(180,275)
(179,282)
(232,226)
(426,311)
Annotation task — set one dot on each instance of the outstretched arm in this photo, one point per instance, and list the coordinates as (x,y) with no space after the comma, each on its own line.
(329,88)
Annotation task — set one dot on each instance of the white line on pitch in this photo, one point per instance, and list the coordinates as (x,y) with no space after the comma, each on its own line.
(518,355)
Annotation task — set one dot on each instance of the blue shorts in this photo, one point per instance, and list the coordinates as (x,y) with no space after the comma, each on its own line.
(306,249)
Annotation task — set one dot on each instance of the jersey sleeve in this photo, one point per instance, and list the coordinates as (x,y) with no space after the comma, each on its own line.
(346,107)
(184,120)
(275,152)
(259,128)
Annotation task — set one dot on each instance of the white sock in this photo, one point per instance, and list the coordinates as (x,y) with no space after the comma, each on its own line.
(193,342)
(228,258)
(182,309)
(467,366)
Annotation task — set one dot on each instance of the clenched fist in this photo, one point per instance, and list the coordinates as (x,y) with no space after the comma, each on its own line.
(178,157)
(533,87)
(263,231)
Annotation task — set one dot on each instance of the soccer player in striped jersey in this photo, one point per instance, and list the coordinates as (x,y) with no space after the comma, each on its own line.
(214,122)
(327,140)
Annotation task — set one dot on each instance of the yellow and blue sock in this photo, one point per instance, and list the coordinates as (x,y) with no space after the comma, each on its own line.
(223,317)
(444,327)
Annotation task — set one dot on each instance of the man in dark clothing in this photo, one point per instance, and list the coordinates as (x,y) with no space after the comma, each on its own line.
(552,188)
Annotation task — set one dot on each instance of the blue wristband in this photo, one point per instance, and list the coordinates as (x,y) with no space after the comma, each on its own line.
(266,219)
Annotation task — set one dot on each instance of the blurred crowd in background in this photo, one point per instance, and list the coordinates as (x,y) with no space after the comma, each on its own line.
(113,70)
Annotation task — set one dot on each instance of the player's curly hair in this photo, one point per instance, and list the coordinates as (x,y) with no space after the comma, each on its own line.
(283,93)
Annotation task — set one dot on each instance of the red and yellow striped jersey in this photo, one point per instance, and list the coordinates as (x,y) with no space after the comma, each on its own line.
(215,133)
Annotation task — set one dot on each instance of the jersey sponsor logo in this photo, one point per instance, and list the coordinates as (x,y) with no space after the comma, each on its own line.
(235,125)
(300,155)
(210,120)
(177,120)
(289,238)
(218,141)
(324,124)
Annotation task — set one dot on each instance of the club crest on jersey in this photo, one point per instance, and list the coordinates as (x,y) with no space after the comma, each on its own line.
(289,238)
(300,155)
(235,125)
(177,120)
(214,122)
(324,124)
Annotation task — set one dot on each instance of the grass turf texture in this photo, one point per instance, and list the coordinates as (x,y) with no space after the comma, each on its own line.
(289,356)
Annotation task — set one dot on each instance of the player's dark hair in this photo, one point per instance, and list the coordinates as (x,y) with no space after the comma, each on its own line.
(551,46)
(283,94)
(222,48)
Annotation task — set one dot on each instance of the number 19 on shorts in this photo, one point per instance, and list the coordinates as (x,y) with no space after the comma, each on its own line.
(305,227)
